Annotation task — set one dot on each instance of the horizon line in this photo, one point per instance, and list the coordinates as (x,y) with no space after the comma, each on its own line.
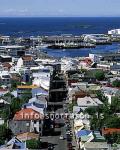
(59,16)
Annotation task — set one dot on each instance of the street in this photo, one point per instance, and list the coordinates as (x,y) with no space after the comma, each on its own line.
(58,144)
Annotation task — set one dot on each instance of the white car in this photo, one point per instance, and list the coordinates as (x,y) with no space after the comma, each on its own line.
(68,132)
(61,137)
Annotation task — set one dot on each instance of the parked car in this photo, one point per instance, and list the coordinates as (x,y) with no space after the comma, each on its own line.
(50,147)
(69,145)
(69,138)
(68,132)
(61,137)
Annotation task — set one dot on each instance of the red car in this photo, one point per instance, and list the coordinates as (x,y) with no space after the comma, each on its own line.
(69,145)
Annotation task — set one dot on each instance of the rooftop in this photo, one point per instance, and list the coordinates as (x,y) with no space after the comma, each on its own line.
(27,58)
(27,114)
(110,130)
(27,86)
(27,136)
(96,145)
(11,46)
(83,133)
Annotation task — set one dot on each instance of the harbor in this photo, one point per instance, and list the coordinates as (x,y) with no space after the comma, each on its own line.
(60,83)
(60,74)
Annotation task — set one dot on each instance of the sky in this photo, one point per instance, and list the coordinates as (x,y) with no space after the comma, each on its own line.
(59,8)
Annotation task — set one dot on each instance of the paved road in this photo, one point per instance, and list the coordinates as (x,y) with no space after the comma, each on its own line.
(58,144)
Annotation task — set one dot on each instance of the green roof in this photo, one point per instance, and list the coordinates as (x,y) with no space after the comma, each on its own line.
(85,138)
(98,136)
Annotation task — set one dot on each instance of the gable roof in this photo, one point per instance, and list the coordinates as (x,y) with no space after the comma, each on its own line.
(28,114)
(27,86)
(14,143)
(39,91)
(110,130)
(27,136)
(27,58)
(83,133)
(98,137)
(2,101)
(96,145)
(86,101)
(33,104)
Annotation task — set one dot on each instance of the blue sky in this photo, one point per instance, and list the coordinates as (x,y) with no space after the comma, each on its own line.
(88,8)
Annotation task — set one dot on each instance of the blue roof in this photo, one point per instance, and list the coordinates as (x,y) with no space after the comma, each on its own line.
(20,144)
(45,70)
(83,133)
(39,91)
(17,142)
(34,104)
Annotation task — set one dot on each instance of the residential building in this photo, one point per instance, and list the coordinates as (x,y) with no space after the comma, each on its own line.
(86,102)
(27,120)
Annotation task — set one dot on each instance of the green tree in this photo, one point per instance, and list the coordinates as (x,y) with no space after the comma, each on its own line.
(14,84)
(90,110)
(102,97)
(113,138)
(115,105)
(5,134)
(70,107)
(116,83)
(33,144)
(99,75)
(15,106)
(112,121)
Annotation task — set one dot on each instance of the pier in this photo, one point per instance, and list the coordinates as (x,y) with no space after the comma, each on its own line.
(62,39)
(72,46)
(111,56)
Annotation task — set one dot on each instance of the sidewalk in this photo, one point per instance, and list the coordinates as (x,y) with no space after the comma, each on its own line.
(74,142)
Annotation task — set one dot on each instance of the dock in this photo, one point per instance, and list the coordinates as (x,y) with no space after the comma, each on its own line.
(72,46)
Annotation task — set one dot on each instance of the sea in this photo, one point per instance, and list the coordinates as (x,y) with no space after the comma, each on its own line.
(25,27)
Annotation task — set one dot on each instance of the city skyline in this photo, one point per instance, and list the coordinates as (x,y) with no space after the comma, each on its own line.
(63,8)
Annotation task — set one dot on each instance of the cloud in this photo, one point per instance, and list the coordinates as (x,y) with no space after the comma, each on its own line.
(12,11)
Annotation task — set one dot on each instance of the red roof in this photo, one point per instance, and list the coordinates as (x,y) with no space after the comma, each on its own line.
(79,94)
(3,90)
(28,114)
(110,130)
(7,65)
(27,58)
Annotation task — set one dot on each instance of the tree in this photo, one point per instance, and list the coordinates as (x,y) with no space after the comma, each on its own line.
(33,144)
(116,83)
(15,106)
(99,75)
(5,134)
(102,97)
(113,138)
(90,110)
(94,122)
(14,84)
(70,107)
(112,121)
(115,104)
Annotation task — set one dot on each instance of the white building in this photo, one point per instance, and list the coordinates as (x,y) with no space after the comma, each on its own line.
(114,32)
(86,102)
(5,77)
(95,57)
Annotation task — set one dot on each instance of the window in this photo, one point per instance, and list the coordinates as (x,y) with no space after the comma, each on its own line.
(88,102)
(27,124)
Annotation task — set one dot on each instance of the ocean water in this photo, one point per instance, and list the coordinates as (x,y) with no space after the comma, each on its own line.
(83,51)
(57,26)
